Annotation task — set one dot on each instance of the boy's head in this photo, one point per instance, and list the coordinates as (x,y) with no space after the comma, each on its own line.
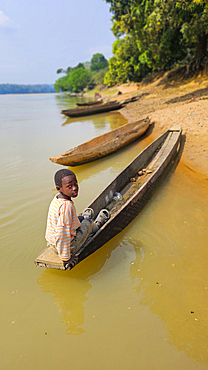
(66,183)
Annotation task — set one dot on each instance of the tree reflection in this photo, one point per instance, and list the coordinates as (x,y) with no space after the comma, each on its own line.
(100,121)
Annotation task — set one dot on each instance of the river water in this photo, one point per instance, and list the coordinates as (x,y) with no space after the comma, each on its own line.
(139,302)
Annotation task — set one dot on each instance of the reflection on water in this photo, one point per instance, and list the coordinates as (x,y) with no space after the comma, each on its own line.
(64,289)
(69,292)
(112,119)
(140,299)
(65,101)
(69,288)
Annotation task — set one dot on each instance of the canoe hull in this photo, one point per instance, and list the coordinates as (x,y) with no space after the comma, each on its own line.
(88,111)
(88,104)
(131,209)
(103,145)
(157,158)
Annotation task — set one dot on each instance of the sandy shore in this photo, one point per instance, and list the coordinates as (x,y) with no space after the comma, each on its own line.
(169,103)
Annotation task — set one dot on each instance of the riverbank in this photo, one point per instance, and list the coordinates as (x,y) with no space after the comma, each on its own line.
(167,103)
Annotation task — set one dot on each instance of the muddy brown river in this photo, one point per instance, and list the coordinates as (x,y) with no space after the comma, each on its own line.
(139,302)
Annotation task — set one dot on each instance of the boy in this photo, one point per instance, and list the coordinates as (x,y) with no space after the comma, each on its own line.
(66,232)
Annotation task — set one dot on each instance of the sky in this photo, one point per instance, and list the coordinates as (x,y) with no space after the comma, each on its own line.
(37,37)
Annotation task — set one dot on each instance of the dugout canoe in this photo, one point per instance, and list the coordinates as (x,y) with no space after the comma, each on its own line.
(103,145)
(87,111)
(90,103)
(154,161)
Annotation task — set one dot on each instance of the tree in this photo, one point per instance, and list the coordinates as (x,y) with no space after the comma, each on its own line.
(75,81)
(87,74)
(125,64)
(195,28)
(61,70)
(79,65)
(62,84)
(98,62)
(79,79)
(163,30)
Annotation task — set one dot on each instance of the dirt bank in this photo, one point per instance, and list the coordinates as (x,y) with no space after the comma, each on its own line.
(173,102)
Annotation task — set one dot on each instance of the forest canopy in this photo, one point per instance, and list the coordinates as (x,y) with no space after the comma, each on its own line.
(156,34)
(84,75)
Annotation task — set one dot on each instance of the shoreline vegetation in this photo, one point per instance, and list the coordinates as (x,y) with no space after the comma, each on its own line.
(26,89)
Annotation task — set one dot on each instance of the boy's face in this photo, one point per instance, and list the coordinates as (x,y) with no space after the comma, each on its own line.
(69,186)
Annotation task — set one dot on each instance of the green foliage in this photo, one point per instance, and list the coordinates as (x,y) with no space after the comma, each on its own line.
(75,81)
(60,70)
(161,30)
(97,77)
(79,77)
(125,65)
(79,65)
(62,84)
(98,62)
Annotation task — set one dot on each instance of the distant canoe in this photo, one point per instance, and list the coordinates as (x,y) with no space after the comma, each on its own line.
(87,111)
(90,103)
(102,145)
(154,162)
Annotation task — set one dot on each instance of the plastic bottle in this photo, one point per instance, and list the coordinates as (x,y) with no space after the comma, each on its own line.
(116,198)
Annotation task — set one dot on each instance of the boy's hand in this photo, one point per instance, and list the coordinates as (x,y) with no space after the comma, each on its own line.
(71,262)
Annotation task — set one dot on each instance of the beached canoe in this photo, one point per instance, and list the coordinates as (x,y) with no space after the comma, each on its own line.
(90,103)
(87,111)
(102,145)
(154,162)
